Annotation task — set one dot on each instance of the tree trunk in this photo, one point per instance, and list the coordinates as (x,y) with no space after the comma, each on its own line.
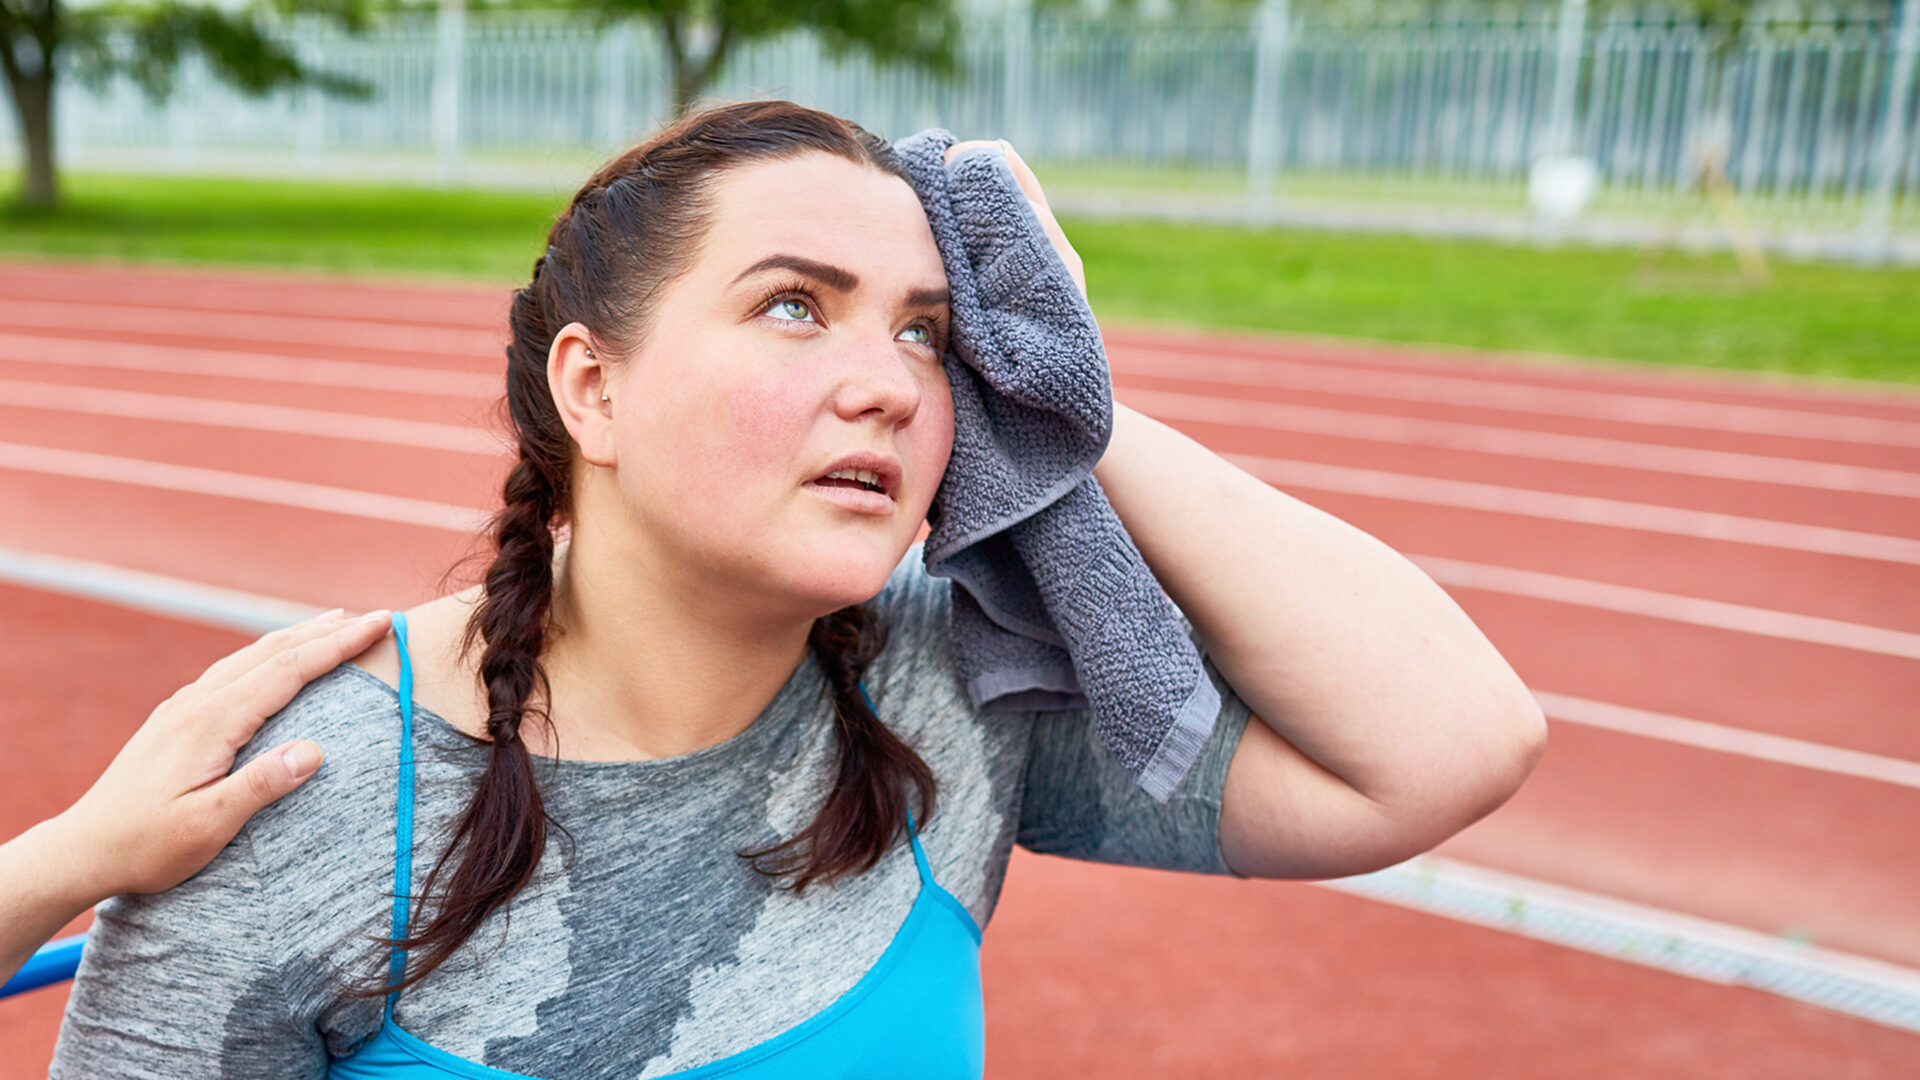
(692,74)
(687,84)
(33,104)
(27,59)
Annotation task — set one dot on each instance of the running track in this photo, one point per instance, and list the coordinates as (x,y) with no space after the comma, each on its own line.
(1712,583)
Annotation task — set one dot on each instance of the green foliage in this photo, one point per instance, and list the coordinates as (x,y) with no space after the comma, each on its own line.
(145,42)
(923,34)
(920,33)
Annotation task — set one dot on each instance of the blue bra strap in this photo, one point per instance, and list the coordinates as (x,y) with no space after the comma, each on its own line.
(913,830)
(403,825)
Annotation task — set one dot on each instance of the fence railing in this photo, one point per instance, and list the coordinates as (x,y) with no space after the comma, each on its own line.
(1813,119)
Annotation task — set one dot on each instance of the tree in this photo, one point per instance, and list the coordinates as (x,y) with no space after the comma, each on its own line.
(700,34)
(144,40)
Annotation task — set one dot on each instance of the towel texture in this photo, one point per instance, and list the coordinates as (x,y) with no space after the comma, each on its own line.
(1053,606)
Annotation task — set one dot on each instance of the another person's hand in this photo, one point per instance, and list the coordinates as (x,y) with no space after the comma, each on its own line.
(1031,185)
(167,804)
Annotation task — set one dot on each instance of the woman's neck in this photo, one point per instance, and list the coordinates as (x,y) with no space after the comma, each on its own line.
(646,664)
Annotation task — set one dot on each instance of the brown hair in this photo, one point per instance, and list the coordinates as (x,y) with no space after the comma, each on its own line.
(633,229)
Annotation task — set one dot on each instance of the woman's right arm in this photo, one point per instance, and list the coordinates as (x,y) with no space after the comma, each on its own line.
(167,804)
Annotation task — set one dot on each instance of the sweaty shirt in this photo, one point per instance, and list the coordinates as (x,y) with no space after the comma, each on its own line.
(644,946)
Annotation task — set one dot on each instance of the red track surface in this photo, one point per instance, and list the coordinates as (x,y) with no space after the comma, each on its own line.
(1080,979)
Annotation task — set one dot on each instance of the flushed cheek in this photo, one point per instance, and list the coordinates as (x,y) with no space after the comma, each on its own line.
(932,441)
(734,447)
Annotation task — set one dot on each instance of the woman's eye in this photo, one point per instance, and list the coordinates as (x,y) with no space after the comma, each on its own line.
(790,305)
(926,335)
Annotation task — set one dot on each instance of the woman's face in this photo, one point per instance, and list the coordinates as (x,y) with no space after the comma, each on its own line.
(806,339)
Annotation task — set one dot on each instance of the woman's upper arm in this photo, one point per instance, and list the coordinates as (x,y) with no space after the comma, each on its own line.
(1284,815)
(183,983)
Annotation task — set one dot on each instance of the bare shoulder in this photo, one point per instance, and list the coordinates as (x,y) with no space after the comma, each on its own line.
(382,659)
(442,679)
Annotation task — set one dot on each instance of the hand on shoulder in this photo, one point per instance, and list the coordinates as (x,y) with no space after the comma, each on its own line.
(167,804)
(171,799)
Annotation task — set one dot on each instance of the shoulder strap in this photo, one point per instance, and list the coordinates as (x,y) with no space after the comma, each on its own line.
(403,824)
(913,830)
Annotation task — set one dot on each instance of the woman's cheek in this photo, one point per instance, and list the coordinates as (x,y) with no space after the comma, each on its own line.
(761,428)
(677,449)
(934,445)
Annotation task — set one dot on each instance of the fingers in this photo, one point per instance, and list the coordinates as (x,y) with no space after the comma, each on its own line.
(954,150)
(268,777)
(240,707)
(243,660)
(1029,183)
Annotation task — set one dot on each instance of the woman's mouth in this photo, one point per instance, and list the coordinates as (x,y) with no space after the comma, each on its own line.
(857,490)
(865,479)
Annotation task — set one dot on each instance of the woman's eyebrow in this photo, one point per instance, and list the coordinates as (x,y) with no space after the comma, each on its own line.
(939,297)
(837,278)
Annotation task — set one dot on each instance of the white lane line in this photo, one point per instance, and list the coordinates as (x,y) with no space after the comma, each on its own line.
(1654,937)
(1513,397)
(1533,368)
(1583,509)
(1637,933)
(153,474)
(279,419)
(210,604)
(1453,572)
(1730,740)
(465,342)
(1513,442)
(265,367)
(255,613)
(1627,599)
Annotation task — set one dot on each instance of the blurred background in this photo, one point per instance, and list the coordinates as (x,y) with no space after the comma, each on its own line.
(1606,314)
(1647,136)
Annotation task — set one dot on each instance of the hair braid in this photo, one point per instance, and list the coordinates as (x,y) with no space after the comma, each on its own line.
(501,836)
(865,811)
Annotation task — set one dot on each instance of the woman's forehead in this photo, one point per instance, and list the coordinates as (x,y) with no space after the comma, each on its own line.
(828,212)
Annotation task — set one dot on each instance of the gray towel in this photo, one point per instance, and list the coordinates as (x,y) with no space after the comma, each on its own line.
(1053,607)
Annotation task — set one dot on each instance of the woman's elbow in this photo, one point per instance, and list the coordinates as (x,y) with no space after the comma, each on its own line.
(1516,737)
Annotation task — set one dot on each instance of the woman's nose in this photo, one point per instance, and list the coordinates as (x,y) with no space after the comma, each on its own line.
(880,378)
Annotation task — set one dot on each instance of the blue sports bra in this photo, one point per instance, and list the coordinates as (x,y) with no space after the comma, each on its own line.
(917,1012)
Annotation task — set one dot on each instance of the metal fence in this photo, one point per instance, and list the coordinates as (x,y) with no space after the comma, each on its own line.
(1813,115)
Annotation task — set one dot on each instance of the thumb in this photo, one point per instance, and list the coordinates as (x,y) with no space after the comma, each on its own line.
(264,779)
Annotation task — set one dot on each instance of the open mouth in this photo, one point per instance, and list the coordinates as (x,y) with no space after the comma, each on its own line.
(856,479)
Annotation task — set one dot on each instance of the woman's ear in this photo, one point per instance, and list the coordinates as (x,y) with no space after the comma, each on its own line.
(580,380)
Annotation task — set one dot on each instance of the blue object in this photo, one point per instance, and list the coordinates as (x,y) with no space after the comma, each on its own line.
(916,1013)
(56,961)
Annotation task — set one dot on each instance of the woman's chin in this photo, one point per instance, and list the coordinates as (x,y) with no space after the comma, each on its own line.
(844,572)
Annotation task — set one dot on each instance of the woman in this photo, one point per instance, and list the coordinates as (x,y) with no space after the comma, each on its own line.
(677,808)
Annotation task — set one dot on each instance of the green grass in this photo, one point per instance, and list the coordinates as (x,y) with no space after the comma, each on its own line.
(344,228)
(1811,319)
